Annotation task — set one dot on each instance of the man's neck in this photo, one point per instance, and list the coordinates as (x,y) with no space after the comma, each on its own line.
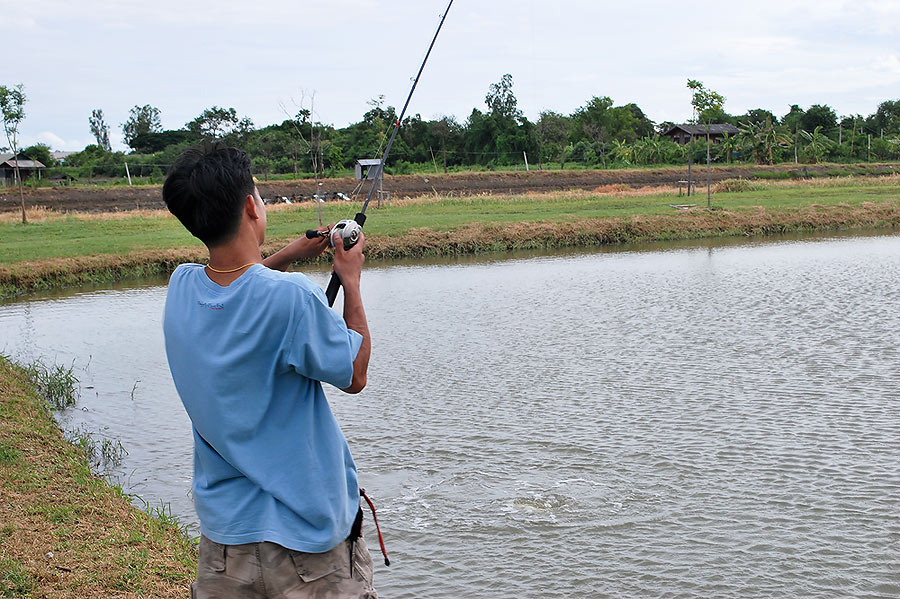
(235,257)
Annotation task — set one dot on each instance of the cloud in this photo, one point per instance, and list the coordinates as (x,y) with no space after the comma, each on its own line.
(55,141)
(888,64)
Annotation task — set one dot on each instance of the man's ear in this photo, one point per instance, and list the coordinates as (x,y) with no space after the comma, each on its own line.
(250,207)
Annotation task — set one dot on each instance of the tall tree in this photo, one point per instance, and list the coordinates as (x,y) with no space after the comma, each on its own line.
(99,129)
(819,115)
(141,120)
(886,120)
(501,100)
(595,122)
(501,134)
(217,123)
(641,125)
(706,103)
(446,130)
(758,115)
(552,130)
(12,109)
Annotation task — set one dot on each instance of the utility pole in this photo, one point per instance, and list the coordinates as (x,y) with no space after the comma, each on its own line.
(708,171)
(690,162)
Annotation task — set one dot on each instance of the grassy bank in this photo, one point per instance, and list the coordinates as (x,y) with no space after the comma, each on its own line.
(58,250)
(65,533)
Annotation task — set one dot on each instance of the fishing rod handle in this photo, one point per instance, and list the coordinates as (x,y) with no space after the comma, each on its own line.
(335,283)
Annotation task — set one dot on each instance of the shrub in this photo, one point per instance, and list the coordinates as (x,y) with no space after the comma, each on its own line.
(735,186)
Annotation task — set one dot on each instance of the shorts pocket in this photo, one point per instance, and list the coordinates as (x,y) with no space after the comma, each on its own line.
(212,556)
(314,566)
(363,568)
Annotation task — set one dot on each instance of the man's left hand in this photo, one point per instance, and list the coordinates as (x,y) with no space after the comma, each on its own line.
(301,248)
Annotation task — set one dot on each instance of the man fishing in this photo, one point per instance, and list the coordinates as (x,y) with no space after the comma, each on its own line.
(249,346)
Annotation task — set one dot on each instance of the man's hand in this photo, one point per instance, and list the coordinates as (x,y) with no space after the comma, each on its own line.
(299,249)
(348,267)
(348,263)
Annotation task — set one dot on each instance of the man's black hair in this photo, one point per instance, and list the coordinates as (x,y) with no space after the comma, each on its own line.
(206,189)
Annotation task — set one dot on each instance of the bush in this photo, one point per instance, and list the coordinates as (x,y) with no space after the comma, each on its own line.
(735,186)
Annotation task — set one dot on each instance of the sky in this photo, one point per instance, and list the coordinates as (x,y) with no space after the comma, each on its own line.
(269,58)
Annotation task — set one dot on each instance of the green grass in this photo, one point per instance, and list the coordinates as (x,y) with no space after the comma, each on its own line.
(72,236)
(449,214)
(15,580)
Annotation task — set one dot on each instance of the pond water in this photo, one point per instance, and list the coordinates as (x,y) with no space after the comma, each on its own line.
(697,421)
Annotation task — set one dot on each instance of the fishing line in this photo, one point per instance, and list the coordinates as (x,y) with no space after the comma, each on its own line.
(350,229)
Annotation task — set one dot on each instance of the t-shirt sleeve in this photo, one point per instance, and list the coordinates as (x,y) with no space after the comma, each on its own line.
(322,348)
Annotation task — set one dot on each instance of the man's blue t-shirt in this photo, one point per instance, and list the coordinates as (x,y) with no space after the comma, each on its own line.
(270,461)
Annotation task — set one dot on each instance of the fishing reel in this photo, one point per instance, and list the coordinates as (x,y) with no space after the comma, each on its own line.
(348,230)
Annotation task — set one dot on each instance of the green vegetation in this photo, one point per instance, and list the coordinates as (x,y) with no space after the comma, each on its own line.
(64,532)
(56,384)
(12,113)
(598,134)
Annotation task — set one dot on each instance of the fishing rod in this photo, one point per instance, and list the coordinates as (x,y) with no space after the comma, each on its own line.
(349,230)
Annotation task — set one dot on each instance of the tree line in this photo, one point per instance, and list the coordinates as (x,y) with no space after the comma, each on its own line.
(598,134)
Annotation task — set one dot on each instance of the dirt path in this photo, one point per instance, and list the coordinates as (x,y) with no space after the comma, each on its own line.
(111,199)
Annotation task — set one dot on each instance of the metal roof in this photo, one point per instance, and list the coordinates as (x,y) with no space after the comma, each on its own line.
(8,160)
(368,161)
(714,129)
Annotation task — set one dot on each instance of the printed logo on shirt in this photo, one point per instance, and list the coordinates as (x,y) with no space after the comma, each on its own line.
(211,306)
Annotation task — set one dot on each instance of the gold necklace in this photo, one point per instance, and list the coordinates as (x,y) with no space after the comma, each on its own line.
(230,270)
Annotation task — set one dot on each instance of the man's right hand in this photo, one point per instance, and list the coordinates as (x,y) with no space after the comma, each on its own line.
(348,267)
(348,263)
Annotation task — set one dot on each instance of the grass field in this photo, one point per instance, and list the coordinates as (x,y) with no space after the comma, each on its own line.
(104,246)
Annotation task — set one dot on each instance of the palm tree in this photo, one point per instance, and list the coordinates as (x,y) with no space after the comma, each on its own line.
(729,145)
(623,151)
(762,139)
(816,144)
(651,150)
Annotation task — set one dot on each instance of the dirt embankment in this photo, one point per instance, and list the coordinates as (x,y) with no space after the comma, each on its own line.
(121,198)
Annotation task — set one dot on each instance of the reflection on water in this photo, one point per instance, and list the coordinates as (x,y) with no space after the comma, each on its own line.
(696,422)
